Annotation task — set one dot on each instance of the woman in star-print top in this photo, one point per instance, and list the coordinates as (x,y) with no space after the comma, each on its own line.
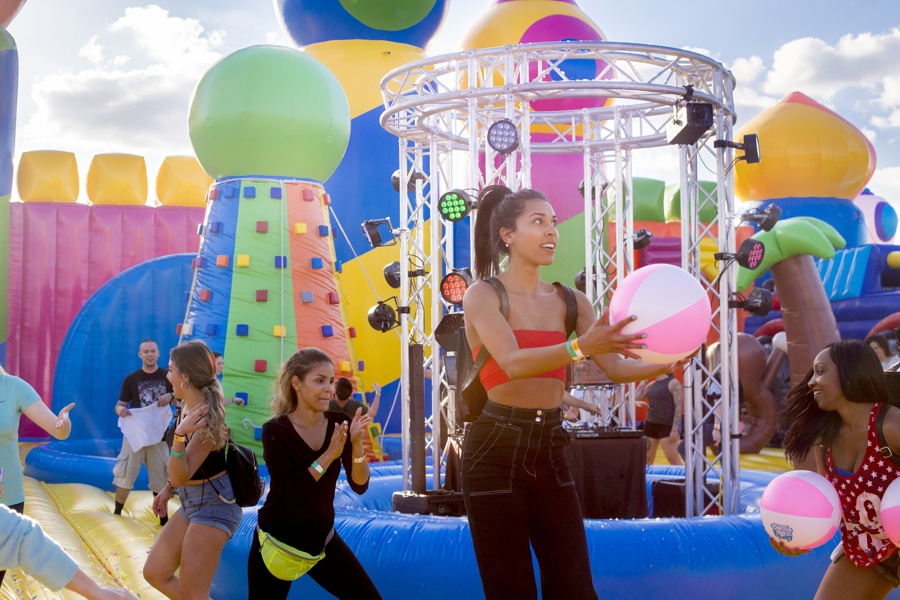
(834,412)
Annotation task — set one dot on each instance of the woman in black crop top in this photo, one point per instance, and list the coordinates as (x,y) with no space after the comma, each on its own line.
(193,538)
(304,447)
(518,488)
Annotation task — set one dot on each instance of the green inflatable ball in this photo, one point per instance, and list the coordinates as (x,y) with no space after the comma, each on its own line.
(269,110)
(388,15)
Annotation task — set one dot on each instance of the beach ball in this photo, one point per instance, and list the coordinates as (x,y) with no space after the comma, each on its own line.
(672,308)
(801,509)
(890,511)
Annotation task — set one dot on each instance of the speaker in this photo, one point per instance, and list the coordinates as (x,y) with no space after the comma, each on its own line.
(669,497)
(431,502)
(690,122)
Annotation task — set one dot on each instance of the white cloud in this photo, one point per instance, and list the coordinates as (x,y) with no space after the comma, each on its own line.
(92,50)
(886,183)
(822,71)
(748,70)
(111,108)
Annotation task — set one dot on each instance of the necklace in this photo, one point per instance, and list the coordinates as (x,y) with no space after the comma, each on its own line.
(184,416)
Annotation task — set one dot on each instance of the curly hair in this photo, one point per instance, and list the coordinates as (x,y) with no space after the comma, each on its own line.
(284,399)
(862,380)
(195,360)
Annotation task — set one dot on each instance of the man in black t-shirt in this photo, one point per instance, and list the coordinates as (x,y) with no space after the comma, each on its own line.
(145,387)
(345,403)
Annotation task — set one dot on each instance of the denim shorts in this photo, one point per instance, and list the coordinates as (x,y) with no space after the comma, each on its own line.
(889,568)
(202,504)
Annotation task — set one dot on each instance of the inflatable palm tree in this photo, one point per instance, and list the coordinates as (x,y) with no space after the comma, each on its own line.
(809,322)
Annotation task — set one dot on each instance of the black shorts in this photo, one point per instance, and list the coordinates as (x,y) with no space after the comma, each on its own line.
(657,431)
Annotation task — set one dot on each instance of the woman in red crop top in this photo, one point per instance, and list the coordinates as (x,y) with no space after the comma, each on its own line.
(834,412)
(193,538)
(518,488)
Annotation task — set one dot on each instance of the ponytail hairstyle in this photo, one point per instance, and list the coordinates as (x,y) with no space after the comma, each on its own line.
(862,380)
(195,361)
(284,401)
(498,208)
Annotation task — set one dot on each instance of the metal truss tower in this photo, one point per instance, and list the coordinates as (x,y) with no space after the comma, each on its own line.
(441,108)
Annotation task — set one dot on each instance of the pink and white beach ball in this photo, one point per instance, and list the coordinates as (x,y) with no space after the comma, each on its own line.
(801,509)
(890,511)
(672,308)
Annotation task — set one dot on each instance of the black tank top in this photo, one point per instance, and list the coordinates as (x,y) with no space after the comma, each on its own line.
(214,462)
(661,402)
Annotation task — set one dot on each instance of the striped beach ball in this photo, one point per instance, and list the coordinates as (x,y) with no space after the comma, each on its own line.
(672,308)
(890,511)
(801,508)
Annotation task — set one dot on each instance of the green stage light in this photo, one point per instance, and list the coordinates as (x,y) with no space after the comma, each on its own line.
(454,205)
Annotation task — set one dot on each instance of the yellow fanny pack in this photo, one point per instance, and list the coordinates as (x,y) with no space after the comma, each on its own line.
(286,562)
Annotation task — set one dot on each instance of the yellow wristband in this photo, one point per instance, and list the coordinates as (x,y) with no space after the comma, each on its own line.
(578,353)
(359,459)
(179,438)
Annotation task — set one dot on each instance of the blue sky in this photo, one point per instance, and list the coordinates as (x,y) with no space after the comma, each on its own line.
(115,76)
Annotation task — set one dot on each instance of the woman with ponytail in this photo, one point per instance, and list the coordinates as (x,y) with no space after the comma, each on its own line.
(193,538)
(517,485)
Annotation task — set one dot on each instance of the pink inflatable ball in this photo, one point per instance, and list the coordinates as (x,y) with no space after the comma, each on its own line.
(801,509)
(890,512)
(672,308)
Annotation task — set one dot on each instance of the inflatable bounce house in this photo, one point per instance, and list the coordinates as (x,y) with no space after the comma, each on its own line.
(254,247)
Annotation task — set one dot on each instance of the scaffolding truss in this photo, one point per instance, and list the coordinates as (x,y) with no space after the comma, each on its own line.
(441,108)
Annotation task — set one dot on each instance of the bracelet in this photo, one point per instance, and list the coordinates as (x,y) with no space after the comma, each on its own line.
(179,438)
(315,465)
(577,350)
(174,454)
(717,427)
(360,459)
(571,350)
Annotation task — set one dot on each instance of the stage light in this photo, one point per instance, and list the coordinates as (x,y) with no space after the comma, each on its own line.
(447,333)
(642,238)
(581,281)
(379,232)
(503,136)
(382,317)
(758,302)
(597,193)
(766,218)
(392,274)
(750,146)
(454,286)
(689,122)
(411,184)
(455,205)
(750,255)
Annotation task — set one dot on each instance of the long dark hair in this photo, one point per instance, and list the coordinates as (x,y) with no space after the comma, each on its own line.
(195,360)
(498,208)
(862,380)
(284,401)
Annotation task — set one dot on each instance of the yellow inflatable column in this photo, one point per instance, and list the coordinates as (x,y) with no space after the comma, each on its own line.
(47,176)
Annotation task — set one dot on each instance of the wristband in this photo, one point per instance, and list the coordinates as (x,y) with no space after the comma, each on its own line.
(174,454)
(716,427)
(179,438)
(360,459)
(571,350)
(315,465)
(577,350)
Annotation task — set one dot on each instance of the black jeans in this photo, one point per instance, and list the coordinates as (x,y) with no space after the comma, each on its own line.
(19,508)
(339,573)
(518,491)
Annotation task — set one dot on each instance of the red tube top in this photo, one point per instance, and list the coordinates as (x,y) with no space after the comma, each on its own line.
(491,373)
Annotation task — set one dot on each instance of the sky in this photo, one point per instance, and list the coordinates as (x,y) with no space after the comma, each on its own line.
(101,76)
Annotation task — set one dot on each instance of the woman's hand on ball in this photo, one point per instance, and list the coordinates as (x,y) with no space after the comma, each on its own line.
(603,338)
(782,549)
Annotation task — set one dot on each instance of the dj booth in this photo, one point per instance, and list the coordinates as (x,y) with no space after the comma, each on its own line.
(609,472)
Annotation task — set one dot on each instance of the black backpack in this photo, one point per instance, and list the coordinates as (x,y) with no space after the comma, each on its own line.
(471,391)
